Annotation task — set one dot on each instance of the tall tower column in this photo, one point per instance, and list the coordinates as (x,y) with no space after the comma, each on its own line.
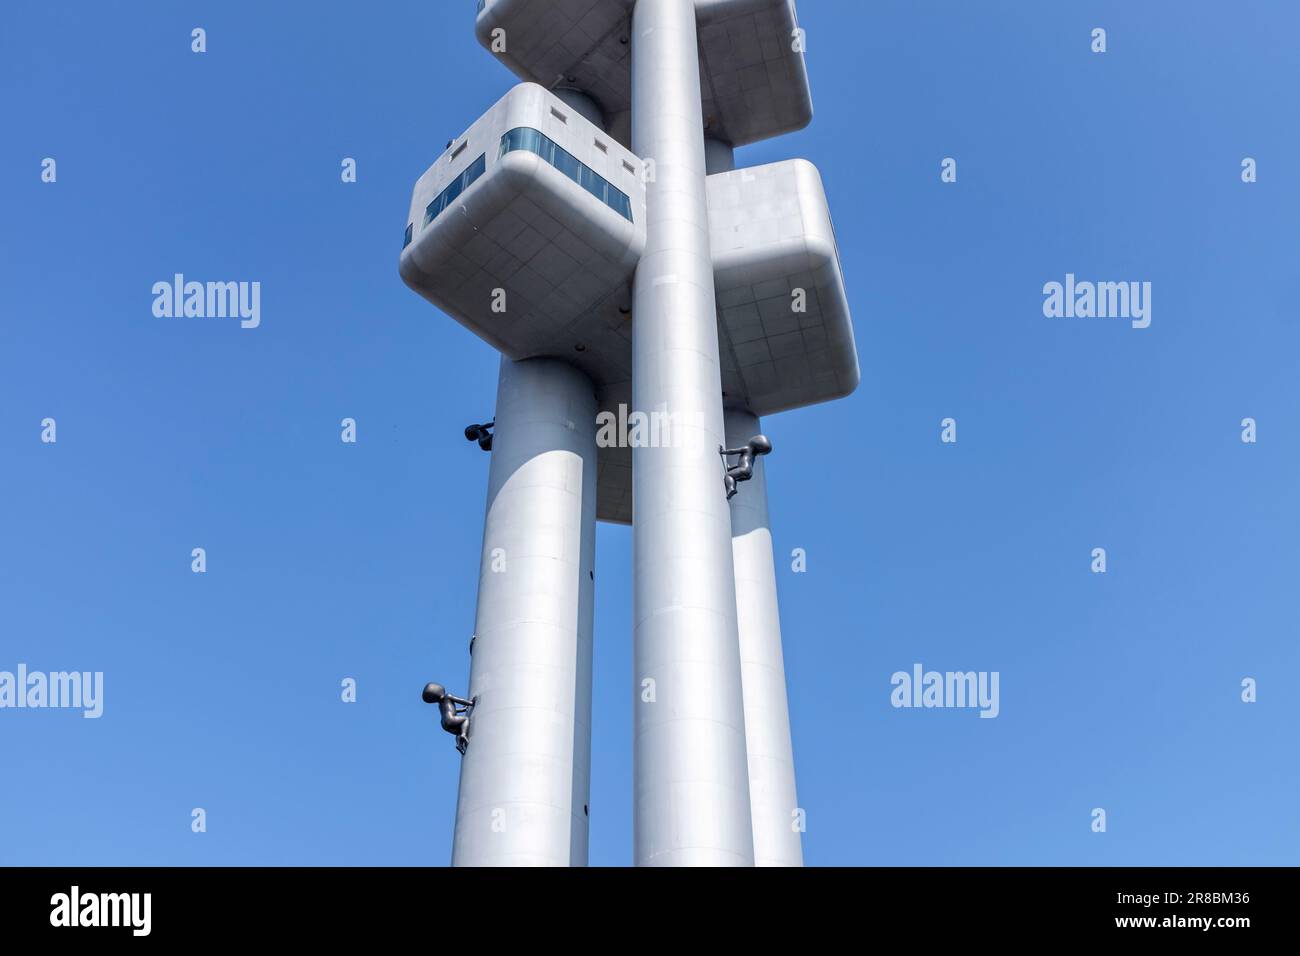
(772,796)
(691,799)
(524,780)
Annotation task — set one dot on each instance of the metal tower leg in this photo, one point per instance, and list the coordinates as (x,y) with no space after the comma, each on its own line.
(691,800)
(525,778)
(767,718)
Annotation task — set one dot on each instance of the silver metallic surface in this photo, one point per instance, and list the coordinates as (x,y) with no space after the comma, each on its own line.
(771,236)
(772,797)
(754,81)
(525,777)
(585,106)
(562,257)
(690,778)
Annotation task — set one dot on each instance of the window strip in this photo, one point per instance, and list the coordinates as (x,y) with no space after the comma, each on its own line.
(534,141)
(458,186)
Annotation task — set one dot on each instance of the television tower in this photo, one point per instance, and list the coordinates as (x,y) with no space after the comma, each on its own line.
(651,303)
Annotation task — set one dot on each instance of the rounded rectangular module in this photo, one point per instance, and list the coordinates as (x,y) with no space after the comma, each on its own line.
(754,84)
(753,77)
(528,227)
(785,331)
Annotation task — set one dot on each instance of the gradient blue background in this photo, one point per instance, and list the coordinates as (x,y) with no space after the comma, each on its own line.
(328,560)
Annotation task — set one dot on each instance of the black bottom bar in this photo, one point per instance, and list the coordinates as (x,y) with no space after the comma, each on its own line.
(470,907)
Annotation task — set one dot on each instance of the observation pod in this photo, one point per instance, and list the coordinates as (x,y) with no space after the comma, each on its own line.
(783,313)
(753,81)
(528,230)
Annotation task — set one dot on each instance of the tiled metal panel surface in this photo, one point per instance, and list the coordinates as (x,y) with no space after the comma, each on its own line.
(754,83)
(773,251)
(563,257)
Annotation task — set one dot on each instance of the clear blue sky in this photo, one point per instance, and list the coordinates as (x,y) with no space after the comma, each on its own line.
(328,560)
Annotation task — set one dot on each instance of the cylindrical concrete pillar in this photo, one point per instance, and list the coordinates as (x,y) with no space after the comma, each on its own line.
(690,778)
(772,798)
(524,780)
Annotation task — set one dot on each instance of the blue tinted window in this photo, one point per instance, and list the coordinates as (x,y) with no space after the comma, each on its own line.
(453,191)
(406,240)
(621,204)
(458,186)
(566,164)
(476,169)
(594,184)
(533,141)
